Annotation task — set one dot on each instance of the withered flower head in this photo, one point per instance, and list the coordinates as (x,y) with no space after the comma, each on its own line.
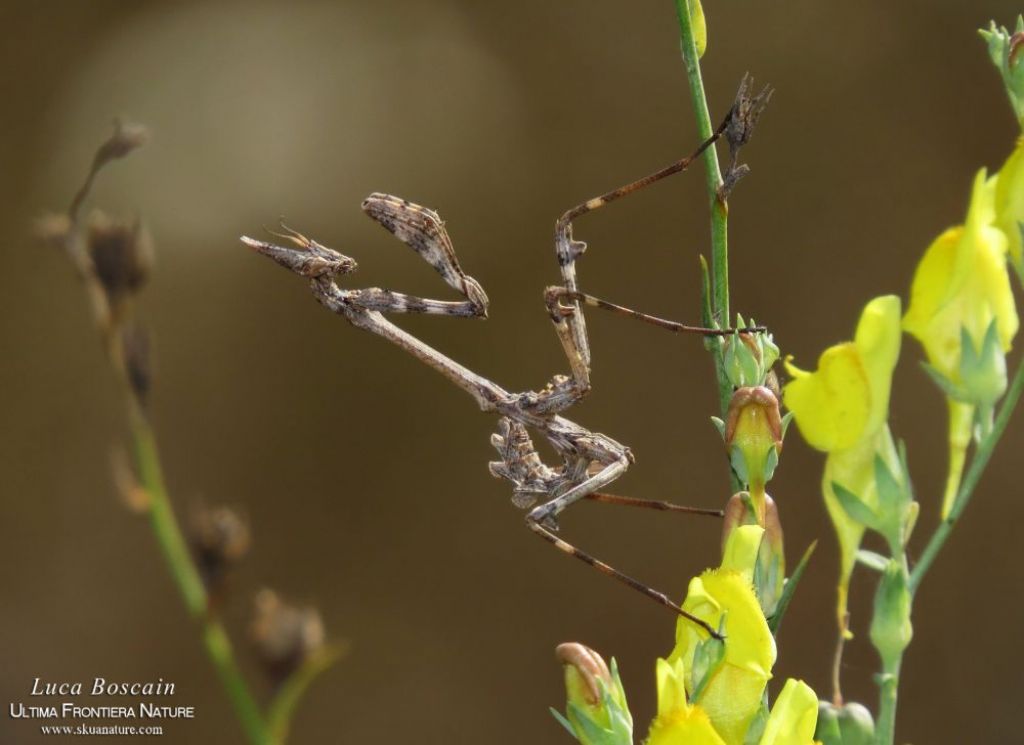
(219,538)
(284,635)
(122,255)
(746,110)
(126,137)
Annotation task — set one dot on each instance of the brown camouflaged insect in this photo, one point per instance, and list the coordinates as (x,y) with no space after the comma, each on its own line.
(590,461)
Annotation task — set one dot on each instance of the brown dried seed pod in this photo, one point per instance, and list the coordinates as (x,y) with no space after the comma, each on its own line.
(284,635)
(122,255)
(219,538)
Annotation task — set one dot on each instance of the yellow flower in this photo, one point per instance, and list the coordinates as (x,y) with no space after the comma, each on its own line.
(678,722)
(794,716)
(961,288)
(842,409)
(962,283)
(732,694)
(1009,204)
(714,704)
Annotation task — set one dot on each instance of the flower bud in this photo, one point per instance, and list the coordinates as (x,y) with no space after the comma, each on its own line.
(850,724)
(983,369)
(753,435)
(758,555)
(748,358)
(891,630)
(1005,50)
(596,709)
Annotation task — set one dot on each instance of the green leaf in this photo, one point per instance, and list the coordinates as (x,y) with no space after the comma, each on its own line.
(707,316)
(789,589)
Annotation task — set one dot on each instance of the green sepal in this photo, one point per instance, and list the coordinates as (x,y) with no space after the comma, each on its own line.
(771,462)
(850,724)
(739,465)
(786,419)
(947,386)
(768,579)
(707,657)
(1005,57)
(719,425)
(854,507)
(789,589)
(872,560)
(757,724)
(560,718)
(983,369)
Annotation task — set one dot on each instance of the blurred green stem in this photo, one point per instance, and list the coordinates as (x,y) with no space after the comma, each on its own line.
(719,285)
(279,713)
(190,584)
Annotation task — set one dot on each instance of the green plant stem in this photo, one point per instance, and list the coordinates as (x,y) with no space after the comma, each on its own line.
(190,584)
(889,680)
(982,455)
(885,728)
(719,280)
(719,208)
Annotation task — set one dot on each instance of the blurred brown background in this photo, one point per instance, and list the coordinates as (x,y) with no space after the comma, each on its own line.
(362,473)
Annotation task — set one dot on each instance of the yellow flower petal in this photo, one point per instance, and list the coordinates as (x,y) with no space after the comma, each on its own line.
(1009,201)
(732,696)
(793,717)
(741,549)
(679,723)
(962,282)
(847,398)
(878,342)
(692,728)
(831,405)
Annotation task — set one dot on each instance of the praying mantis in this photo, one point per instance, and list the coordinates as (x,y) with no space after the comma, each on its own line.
(590,461)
